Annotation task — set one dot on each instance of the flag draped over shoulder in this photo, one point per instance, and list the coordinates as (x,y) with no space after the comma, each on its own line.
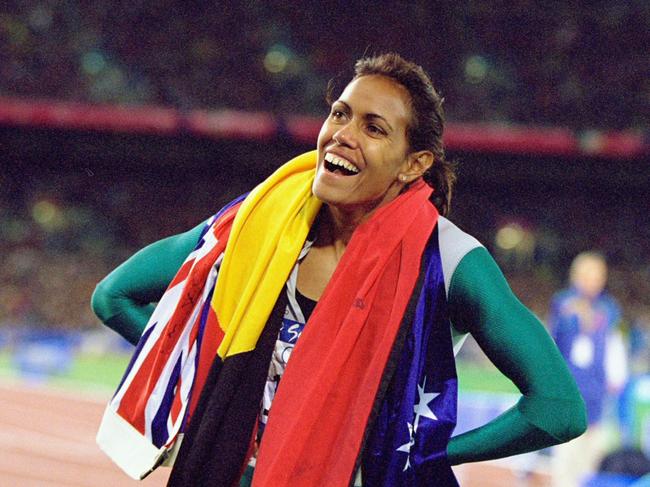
(200,367)
(321,409)
(158,392)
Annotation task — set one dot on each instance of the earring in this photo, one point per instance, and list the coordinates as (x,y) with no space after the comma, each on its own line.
(402,178)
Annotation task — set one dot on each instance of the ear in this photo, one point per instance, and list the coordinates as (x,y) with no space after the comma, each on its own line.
(416,165)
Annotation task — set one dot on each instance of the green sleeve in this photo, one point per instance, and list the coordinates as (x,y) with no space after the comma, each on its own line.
(551,409)
(124,299)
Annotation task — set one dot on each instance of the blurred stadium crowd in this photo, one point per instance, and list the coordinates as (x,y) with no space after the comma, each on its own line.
(583,64)
(62,232)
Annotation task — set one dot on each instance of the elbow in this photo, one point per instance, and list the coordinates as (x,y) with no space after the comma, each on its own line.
(117,312)
(562,419)
(100,302)
(574,421)
(579,423)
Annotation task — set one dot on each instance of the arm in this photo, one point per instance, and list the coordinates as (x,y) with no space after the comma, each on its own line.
(123,299)
(551,409)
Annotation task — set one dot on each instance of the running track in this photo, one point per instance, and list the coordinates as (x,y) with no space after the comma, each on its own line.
(47,439)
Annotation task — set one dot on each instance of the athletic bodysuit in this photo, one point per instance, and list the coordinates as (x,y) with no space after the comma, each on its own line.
(480,302)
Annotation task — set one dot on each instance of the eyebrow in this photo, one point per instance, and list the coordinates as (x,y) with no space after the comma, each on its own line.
(371,116)
(367,116)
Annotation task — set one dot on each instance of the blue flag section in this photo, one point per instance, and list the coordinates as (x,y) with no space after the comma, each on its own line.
(408,444)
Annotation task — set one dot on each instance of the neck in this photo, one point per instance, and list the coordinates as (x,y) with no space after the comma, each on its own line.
(336,226)
(337,223)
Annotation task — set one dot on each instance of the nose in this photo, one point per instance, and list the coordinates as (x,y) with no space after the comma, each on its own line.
(346,136)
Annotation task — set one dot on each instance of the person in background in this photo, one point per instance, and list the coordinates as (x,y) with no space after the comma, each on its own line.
(584,322)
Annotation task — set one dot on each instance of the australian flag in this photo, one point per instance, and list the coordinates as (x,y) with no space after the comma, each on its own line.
(408,443)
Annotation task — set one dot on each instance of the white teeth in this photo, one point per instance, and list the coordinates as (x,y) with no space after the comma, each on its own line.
(339,161)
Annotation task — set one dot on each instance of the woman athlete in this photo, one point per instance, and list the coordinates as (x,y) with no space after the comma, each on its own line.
(361,272)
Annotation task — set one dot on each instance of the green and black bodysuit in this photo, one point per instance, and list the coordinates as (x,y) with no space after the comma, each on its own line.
(480,302)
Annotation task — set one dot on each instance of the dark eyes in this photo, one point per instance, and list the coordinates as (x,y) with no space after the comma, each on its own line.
(375,130)
(372,129)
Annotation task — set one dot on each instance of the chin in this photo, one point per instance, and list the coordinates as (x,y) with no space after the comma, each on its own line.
(324,194)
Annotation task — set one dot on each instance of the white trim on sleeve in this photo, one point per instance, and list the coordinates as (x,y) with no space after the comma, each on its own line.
(454,245)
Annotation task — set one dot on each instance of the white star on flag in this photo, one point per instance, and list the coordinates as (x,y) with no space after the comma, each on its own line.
(406,447)
(421,409)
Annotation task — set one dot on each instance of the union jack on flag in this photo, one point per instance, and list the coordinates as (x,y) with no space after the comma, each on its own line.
(152,404)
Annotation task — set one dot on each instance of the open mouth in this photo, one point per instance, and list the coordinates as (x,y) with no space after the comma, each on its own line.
(338,165)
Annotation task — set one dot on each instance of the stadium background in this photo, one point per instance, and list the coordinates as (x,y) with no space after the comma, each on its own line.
(124,122)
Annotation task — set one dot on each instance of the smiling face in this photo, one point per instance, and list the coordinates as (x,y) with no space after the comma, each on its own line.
(363,146)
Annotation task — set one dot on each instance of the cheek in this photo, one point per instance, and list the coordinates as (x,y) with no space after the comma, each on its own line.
(394,163)
(324,135)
